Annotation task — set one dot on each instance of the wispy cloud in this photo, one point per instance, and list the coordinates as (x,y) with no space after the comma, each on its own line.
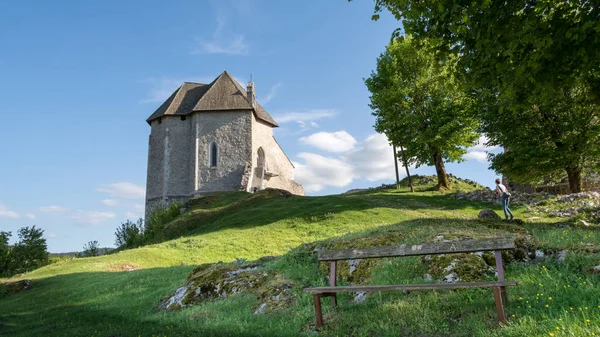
(124,190)
(271,94)
(5,212)
(53,209)
(220,42)
(139,208)
(30,216)
(304,116)
(92,217)
(109,202)
(132,215)
(162,87)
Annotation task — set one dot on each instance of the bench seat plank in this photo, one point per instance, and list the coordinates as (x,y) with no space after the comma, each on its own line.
(481,245)
(442,286)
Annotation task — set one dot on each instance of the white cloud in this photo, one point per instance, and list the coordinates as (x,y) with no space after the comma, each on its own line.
(476,155)
(30,216)
(480,146)
(52,235)
(221,43)
(53,209)
(479,151)
(124,190)
(139,208)
(317,172)
(109,202)
(340,141)
(92,217)
(5,212)
(304,116)
(271,94)
(372,159)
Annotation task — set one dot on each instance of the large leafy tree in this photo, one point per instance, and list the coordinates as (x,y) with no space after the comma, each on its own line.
(535,64)
(419,105)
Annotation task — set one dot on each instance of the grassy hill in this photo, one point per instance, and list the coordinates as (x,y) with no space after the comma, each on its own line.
(116,295)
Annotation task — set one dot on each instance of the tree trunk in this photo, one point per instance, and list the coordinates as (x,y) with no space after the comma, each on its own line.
(406,167)
(396,166)
(574,174)
(440,170)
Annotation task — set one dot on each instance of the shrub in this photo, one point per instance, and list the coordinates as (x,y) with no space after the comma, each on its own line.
(91,248)
(130,234)
(30,252)
(156,221)
(4,252)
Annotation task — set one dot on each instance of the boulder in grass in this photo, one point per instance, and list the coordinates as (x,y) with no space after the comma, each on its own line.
(488,214)
(10,288)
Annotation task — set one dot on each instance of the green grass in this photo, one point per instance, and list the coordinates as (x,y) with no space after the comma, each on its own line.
(94,297)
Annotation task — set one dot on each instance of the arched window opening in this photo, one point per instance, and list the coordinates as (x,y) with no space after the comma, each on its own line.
(213,154)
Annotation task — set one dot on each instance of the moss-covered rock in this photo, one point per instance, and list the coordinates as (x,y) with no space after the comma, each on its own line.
(459,267)
(214,281)
(358,271)
(10,288)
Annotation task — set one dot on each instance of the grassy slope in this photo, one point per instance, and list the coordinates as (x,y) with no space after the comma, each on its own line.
(85,297)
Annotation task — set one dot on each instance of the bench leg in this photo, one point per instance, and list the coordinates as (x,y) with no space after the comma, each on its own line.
(499,306)
(332,281)
(504,295)
(317,299)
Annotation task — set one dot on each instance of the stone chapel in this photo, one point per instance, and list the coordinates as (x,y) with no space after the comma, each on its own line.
(215,137)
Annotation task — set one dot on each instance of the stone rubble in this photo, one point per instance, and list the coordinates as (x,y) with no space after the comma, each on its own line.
(562,206)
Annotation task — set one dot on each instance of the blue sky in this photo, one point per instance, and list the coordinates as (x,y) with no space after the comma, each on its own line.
(78,79)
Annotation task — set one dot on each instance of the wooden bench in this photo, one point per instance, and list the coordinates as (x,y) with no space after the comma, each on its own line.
(494,244)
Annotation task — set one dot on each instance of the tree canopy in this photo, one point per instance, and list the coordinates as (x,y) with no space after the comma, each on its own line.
(535,67)
(419,105)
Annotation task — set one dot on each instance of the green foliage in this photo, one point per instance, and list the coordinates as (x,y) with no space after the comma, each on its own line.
(419,104)
(130,234)
(4,252)
(534,68)
(90,249)
(161,215)
(30,252)
(80,297)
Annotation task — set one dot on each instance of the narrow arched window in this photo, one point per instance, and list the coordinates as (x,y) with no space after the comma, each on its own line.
(213,154)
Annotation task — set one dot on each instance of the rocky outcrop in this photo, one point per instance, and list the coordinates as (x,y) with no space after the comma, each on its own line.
(214,281)
(11,288)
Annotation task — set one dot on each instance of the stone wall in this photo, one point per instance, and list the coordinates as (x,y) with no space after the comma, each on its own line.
(277,162)
(232,132)
(169,158)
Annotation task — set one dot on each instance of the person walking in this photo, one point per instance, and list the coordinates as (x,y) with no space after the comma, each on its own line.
(504,198)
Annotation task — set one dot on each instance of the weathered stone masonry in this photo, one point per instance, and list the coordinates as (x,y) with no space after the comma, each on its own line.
(183,130)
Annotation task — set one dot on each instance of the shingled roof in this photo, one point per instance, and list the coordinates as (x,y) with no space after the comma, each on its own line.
(224,93)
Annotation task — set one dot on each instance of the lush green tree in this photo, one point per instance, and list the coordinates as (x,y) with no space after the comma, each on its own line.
(4,252)
(91,248)
(30,252)
(419,105)
(535,66)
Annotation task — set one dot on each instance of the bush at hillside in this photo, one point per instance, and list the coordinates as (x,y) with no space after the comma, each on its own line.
(31,252)
(130,234)
(156,221)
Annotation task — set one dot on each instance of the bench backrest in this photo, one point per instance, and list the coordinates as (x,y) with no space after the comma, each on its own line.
(419,249)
